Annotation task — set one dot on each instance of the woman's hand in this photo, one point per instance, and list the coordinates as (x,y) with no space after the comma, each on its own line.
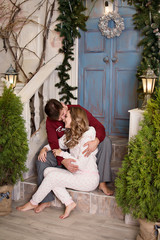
(56,152)
(42,155)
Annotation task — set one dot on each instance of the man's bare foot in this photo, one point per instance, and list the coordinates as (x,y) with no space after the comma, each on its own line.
(26,207)
(42,206)
(68,209)
(103,187)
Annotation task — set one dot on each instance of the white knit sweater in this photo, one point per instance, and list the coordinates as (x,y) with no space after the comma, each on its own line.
(84,163)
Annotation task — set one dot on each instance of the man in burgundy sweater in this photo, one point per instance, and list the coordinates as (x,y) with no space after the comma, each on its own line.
(56,112)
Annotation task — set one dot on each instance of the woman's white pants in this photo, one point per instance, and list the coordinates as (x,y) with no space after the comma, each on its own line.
(57,180)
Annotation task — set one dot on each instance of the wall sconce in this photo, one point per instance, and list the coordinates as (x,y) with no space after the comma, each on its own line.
(11,76)
(148,82)
(108,7)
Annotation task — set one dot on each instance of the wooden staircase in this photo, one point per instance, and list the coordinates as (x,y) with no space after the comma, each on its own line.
(89,202)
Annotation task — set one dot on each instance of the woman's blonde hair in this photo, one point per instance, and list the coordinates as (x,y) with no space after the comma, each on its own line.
(79,125)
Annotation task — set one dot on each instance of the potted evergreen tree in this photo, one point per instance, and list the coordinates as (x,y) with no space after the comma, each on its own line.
(138,182)
(13,146)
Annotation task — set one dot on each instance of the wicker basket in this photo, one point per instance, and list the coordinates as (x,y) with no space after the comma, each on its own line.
(147,230)
(5,199)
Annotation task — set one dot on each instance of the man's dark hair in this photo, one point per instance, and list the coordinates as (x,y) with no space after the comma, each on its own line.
(52,109)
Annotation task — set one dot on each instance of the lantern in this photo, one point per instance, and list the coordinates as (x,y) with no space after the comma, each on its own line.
(148,82)
(11,76)
(108,6)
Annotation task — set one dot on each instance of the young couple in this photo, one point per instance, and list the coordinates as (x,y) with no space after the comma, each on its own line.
(84,167)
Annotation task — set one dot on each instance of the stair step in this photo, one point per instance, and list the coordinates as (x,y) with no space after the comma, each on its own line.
(119,149)
(94,202)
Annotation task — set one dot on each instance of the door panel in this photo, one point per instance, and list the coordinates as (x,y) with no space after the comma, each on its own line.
(124,83)
(94,88)
(93,42)
(128,41)
(94,92)
(123,99)
(107,72)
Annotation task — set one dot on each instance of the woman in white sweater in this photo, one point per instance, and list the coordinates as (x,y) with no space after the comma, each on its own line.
(86,178)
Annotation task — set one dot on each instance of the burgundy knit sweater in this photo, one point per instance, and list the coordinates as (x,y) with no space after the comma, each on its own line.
(55,130)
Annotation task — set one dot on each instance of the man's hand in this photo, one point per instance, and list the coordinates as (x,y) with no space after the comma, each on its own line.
(92,145)
(68,163)
(42,155)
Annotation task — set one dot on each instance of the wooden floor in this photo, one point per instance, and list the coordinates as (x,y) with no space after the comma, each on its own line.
(48,226)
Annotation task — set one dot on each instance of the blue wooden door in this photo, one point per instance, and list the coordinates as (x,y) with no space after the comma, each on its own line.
(107,71)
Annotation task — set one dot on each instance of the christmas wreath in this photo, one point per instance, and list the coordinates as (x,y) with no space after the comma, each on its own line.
(111,32)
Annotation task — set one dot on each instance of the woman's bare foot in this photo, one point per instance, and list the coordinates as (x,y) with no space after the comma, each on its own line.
(68,209)
(26,207)
(42,206)
(103,187)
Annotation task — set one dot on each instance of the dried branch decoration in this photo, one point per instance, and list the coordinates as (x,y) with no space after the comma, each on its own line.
(71,18)
(11,25)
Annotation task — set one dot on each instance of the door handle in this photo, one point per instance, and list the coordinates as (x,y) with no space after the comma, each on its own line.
(106,59)
(114,59)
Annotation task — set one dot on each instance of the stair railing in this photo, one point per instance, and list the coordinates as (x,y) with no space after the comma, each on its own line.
(36,93)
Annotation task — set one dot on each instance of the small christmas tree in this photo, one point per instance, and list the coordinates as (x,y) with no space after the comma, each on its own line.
(13,138)
(138,182)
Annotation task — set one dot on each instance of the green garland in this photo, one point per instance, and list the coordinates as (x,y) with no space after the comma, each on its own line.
(147,21)
(71,18)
